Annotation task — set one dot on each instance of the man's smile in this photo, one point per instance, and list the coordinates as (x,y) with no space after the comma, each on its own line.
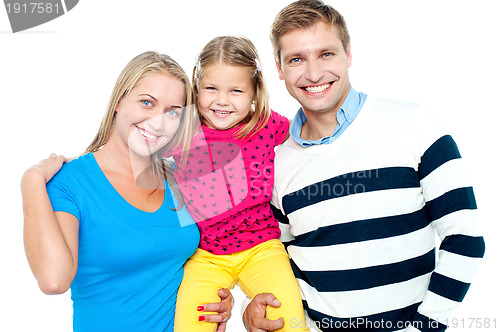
(317,88)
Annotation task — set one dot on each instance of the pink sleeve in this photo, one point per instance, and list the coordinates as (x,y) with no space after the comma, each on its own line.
(280,124)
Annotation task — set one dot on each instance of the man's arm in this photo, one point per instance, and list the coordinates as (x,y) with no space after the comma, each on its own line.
(255,312)
(452,210)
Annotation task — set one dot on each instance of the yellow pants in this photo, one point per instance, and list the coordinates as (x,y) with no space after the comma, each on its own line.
(264,268)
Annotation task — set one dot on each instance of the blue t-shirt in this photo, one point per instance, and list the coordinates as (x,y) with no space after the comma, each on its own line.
(130,262)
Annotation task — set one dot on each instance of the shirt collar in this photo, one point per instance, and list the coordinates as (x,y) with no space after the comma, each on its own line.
(350,105)
(350,109)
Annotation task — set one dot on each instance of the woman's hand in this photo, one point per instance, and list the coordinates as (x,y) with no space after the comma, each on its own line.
(46,168)
(223,308)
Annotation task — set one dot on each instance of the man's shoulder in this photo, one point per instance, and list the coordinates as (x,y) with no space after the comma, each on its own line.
(289,147)
(391,105)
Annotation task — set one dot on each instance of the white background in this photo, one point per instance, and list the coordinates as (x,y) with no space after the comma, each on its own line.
(55,80)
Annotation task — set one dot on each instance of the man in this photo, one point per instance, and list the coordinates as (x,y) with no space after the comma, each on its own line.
(362,187)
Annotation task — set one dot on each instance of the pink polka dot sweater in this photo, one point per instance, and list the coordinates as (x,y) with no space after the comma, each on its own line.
(227,185)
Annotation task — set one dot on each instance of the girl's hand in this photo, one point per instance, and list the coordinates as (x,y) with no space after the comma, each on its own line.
(223,307)
(47,168)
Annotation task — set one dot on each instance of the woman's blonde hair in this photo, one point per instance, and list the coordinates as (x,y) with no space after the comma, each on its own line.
(139,67)
(237,51)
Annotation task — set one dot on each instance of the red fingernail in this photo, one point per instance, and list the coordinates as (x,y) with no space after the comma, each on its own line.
(201,318)
(200,308)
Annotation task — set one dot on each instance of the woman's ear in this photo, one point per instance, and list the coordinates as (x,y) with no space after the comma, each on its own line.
(117,107)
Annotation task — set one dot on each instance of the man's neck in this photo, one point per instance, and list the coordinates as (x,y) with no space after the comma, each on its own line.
(318,126)
(321,124)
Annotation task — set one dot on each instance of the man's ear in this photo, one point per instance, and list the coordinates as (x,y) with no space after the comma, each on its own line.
(280,70)
(349,55)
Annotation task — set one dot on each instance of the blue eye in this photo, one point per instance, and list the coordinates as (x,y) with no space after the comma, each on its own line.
(173,113)
(147,103)
(327,54)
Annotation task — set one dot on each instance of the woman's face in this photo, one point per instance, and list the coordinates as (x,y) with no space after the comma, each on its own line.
(149,116)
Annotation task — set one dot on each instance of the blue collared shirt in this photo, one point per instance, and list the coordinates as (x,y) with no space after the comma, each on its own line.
(345,116)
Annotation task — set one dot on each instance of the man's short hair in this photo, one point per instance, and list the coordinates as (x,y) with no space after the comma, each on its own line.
(303,14)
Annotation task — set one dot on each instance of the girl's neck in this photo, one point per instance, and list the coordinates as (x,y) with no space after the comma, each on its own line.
(242,122)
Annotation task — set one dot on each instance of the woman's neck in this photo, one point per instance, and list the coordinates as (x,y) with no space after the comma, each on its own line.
(119,160)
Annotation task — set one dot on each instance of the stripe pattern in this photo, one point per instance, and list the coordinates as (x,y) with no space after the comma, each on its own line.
(362,239)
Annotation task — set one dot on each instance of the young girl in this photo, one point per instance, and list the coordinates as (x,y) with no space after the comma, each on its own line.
(227,184)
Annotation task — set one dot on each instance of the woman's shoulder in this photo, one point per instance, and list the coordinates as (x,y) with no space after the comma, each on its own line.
(80,163)
(82,167)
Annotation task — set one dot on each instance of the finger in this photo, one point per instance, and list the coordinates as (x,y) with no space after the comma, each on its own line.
(269,325)
(224,293)
(226,297)
(213,307)
(62,158)
(267,299)
(222,327)
(213,318)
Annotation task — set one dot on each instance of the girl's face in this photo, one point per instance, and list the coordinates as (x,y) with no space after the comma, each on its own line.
(149,116)
(225,95)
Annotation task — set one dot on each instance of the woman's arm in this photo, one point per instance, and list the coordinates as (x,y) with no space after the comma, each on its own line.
(50,239)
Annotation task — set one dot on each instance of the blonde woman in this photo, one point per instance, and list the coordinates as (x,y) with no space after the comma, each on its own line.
(106,223)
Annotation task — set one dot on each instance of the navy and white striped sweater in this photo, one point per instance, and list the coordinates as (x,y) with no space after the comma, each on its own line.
(360,218)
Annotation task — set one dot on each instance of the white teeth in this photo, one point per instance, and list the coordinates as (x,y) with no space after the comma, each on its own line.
(222,112)
(147,134)
(319,88)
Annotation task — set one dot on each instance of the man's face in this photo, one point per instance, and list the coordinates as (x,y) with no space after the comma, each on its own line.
(315,66)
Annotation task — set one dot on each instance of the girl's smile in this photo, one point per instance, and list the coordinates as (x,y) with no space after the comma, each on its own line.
(225,95)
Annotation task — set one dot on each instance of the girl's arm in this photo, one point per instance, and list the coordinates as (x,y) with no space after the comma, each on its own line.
(50,238)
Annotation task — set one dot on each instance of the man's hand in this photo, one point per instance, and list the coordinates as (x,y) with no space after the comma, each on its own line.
(223,308)
(254,315)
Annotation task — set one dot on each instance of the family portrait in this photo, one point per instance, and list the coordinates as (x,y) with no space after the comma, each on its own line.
(307,165)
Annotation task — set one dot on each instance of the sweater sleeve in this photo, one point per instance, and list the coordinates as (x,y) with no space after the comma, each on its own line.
(452,211)
(286,236)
